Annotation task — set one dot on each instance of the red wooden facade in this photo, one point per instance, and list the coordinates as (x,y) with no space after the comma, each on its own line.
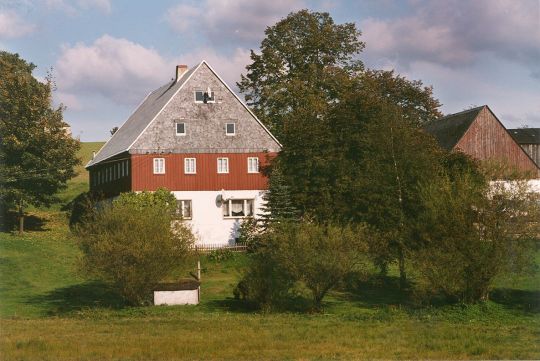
(488,139)
(135,172)
(207,177)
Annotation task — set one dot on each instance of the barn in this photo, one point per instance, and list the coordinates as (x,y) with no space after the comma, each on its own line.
(195,137)
(529,140)
(479,133)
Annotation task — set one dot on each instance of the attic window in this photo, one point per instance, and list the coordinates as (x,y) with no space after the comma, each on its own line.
(230,129)
(180,128)
(201,95)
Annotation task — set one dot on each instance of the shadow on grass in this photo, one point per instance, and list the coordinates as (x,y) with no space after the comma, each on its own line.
(376,291)
(10,222)
(528,301)
(65,300)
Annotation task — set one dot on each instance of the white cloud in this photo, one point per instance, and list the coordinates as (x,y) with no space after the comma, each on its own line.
(114,68)
(13,26)
(456,33)
(230,21)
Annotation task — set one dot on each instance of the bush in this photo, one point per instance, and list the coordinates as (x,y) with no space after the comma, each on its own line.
(83,207)
(318,256)
(472,233)
(135,243)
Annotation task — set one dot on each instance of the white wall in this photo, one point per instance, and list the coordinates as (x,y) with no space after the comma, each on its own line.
(207,223)
(183,297)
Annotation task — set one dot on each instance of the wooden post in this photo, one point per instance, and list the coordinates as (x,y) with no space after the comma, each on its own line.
(199,279)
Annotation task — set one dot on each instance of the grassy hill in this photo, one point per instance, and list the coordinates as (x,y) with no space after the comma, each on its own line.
(50,310)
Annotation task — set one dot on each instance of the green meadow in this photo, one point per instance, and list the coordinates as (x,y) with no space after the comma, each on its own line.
(50,310)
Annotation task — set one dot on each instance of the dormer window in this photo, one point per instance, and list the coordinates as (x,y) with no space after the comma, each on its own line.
(230,129)
(204,96)
(180,128)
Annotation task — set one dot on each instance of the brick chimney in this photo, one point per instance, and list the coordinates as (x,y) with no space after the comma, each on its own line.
(180,70)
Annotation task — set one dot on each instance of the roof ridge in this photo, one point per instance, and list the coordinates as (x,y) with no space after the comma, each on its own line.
(462,112)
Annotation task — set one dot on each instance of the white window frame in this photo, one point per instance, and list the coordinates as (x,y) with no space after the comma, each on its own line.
(230,134)
(220,170)
(212,95)
(156,168)
(180,210)
(176,129)
(249,163)
(245,207)
(187,167)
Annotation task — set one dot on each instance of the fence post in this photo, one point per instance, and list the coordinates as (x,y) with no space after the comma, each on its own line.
(199,279)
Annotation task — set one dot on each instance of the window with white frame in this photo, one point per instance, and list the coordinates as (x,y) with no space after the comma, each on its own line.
(230,129)
(223,165)
(202,96)
(253,165)
(190,165)
(180,128)
(159,165)
(234,208)
(183,208)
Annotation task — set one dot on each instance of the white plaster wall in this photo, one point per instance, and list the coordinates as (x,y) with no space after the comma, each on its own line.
(533,184)
(207,223)
(183,297)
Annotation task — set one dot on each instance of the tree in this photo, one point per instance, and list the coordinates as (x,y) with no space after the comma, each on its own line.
(135,243)
(278,205)
(303,58)
(472,232)
(37,155)
(317,255)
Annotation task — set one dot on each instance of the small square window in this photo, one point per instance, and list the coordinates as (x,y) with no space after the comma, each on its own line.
(202,96)
(230,128)
(253,165)
(190,166)
(180,128)
(159,165)
(183,208)
(223,165)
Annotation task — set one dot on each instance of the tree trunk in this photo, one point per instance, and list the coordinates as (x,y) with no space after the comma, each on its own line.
(21,217)
(402,271)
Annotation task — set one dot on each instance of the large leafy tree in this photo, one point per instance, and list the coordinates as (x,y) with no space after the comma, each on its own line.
(37,154)
(297,73)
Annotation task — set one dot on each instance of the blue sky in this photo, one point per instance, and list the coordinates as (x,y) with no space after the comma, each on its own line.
(107,55)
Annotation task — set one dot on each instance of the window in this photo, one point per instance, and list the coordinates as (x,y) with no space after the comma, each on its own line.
(159,165)
(230,129)
(223,165)
(183,208)
(202,96)
(238,208)
(190,166)
(253,165)
(180,128)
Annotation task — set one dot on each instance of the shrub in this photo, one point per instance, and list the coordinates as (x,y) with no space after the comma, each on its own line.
(472,233)
(316,255)
(83,207)
(220,255)
(135,243)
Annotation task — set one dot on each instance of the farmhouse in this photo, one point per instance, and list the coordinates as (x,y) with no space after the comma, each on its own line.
(195,137)
(479,133)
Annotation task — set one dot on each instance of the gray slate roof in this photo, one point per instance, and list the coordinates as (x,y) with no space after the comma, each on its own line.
(137,122)
(526,135)
(449,129)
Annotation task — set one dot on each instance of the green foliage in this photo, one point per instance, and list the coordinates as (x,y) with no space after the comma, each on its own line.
(135,243)
(297,72)
(472,233)
(278,206)
(319,256)
(220,255)
(83,208)
(249,233)
(161,198)
(37,155)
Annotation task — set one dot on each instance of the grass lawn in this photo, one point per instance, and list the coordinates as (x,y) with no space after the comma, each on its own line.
(50,311)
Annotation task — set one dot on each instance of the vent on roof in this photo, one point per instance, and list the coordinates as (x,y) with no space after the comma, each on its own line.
(180,70)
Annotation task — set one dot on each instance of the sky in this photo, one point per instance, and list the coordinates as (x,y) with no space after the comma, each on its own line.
(107,55)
